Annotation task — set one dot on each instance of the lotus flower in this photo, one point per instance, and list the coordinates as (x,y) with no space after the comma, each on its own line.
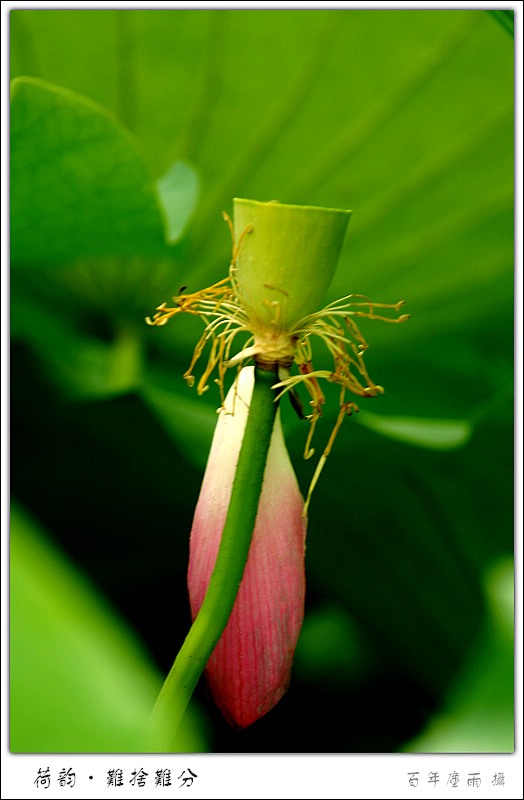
(250,667)
(284,257)
(266,311)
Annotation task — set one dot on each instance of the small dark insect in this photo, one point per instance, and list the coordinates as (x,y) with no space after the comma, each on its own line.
(182,289)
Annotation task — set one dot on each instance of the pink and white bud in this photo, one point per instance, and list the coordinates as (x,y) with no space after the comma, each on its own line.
(250,667)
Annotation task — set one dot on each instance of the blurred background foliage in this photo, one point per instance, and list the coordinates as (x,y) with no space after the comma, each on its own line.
(130,132)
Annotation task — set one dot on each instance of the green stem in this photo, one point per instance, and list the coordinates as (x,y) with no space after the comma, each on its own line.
(225,580)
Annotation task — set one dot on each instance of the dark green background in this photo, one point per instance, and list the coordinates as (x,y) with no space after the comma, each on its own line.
(407,118)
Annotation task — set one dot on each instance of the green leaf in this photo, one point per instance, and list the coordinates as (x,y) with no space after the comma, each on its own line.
(435,434)
(187,419)
(505,18)
(478,716)
(79,184)
(178,193)
(80,682)
(83,366)
(331,648)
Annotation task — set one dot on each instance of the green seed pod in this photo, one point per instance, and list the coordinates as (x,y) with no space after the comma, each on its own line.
(286,258)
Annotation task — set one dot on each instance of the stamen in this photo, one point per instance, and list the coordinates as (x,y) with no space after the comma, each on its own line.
(224,315)
(346,410)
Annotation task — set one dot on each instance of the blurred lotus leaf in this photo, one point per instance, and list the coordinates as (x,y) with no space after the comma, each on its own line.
(131,131)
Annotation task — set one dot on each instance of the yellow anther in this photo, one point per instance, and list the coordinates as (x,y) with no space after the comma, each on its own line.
(225,317)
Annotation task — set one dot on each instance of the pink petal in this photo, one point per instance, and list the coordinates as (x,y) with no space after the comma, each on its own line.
(249,669)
